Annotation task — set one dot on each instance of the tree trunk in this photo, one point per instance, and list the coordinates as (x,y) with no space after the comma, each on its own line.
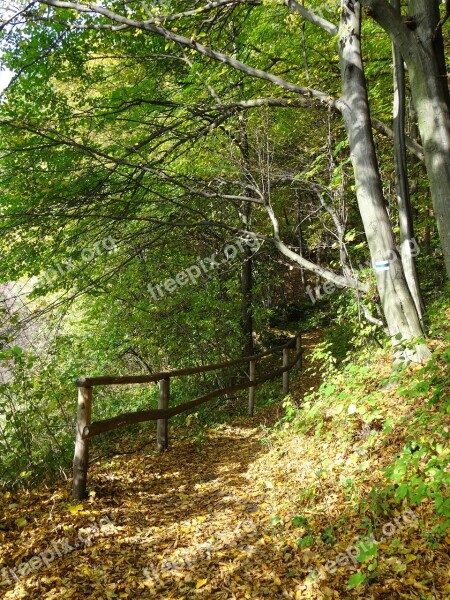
(398,305)
(407,238)
(420,42)
(430,95)
(247,301)
(247,255)
(300,249)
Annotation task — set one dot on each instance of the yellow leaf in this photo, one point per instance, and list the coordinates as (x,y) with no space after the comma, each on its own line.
(74,510)
(200,583)
(410,558)
(277,580)
(261,542)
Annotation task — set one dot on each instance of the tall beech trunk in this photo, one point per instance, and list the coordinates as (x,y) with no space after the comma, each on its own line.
(405,215)
(430,95)
(247,289)
(247,255)
(420,41)
(247,301)
(398,306)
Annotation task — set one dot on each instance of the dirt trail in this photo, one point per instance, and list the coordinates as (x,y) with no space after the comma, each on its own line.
(195,522)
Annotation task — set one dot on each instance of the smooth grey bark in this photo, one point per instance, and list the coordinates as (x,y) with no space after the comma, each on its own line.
(339,280)
(405,214)
(431,99)
(420,41)
(247,278)
(247,301)
(398,306)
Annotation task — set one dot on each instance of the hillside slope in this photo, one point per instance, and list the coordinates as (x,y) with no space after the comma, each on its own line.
(281,506)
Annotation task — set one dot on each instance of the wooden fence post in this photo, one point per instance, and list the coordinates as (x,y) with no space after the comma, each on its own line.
(298,347)
(81,457)
(162,439)
(286,373)
(251,390)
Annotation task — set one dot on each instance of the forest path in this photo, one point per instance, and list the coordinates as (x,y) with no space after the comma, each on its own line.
(194,522)
(245,514)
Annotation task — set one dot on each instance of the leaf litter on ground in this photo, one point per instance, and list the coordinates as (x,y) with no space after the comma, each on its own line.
(255,512)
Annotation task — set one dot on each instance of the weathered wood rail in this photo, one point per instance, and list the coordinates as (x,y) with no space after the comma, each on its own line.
(87,429)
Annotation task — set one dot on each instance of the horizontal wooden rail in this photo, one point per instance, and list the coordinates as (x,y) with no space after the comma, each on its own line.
(86,429)
(154,414)
(131,379)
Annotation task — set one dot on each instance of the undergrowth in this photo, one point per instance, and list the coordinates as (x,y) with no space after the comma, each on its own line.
(377,437)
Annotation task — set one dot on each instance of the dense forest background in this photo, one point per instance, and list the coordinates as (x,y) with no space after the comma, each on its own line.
(179,186)
(185,183)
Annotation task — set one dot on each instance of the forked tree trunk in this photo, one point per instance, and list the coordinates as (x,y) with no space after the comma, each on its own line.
(398,306)
(405,215)
(420,41)
(430,95)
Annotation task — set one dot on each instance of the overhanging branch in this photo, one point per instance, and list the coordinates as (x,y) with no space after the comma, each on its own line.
(310,16)
(192,44)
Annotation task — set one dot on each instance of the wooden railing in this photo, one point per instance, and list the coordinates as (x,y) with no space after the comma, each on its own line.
(87,429)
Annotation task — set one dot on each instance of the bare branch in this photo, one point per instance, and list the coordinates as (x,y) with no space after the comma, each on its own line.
(15,15)
(163,19)
(444,19)
(310,16)
(194,45)
(370,318)
(257,102)
(412,146)
(338,280)
(415,148)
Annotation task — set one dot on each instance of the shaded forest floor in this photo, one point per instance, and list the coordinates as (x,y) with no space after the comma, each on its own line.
(252,512)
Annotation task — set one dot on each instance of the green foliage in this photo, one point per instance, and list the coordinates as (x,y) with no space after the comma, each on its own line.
(123,134)
(354,406)
(355,580)
(36,417)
